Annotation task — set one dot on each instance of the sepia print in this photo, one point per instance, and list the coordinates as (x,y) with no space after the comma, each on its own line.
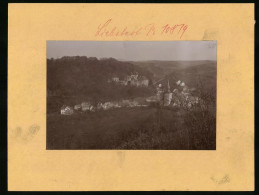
(131,95)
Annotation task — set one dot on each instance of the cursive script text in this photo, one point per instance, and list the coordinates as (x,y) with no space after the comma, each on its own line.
(107,29)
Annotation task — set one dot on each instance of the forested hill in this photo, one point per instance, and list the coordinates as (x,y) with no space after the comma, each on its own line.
(80,75)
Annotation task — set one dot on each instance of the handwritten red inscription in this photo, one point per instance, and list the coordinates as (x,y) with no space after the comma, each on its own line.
(108,30)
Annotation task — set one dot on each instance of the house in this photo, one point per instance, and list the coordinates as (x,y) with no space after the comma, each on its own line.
(182,84)
(66,110)
(143,82)
(107,105)
(115,79)
(178,82)
(152,99)
(85,106)
(99,106)
(92,108)
(77,107)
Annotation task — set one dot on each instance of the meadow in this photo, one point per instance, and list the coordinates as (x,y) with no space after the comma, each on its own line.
(134,128)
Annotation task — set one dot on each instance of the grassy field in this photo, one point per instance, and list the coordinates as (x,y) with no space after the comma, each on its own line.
(133,128)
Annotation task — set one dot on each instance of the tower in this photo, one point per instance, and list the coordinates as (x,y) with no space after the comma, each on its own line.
(168,86)
(168,96)
(160,92)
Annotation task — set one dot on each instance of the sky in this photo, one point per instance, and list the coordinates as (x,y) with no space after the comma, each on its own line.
(135,50)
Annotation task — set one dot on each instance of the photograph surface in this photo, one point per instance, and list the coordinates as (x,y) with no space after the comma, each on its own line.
(131,95)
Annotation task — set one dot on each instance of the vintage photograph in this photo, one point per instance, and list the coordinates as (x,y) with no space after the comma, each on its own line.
(131,95)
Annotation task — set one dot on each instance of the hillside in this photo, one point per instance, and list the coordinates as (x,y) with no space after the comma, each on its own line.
(163,68)
(71,80)
(191,72)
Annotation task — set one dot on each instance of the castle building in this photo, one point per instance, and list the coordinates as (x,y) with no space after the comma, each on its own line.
(133,79)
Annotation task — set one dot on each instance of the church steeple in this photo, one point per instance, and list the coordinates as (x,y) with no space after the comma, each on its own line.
(168,86)
(167,95)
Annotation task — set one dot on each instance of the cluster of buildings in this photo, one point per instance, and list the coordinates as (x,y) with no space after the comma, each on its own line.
(133,79)
(179,97)
(87,106)
(163,95)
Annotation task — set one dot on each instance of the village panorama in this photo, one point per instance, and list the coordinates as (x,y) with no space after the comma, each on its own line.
(109,103)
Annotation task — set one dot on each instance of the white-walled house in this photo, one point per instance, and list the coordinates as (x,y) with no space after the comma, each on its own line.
(66,110)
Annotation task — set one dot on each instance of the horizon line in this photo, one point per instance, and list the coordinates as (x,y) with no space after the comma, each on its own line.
(132,60)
